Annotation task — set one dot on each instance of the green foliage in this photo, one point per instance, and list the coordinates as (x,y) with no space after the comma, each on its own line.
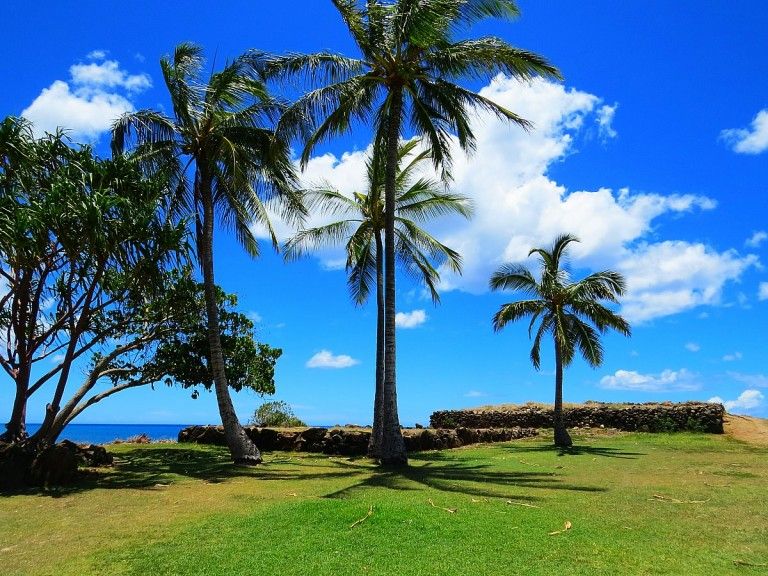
(276,413)
(183,354)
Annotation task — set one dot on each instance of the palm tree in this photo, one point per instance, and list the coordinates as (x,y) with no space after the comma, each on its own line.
(567,310)
(406,76)
(417,201)
(229,165)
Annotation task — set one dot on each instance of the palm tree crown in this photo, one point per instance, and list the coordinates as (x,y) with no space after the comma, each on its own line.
(571,312)
(229,164)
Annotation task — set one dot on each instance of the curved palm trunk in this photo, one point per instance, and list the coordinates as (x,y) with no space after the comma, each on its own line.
(242,449)
(393,446)
(374,446)
(562,438)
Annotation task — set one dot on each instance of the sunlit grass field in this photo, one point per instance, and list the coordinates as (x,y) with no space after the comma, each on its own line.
(634,504)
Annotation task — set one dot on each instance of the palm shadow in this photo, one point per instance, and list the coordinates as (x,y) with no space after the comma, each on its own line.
(577,450)
(439,473)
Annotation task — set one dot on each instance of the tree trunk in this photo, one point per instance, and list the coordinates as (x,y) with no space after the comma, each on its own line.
(392,446)
(16,428)
(374,446)
(562,438)
(242,449)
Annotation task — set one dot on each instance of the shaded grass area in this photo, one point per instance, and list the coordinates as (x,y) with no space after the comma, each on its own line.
(637,504)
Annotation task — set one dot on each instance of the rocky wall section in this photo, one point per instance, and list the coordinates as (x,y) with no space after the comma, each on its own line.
(354,441)
(649,417)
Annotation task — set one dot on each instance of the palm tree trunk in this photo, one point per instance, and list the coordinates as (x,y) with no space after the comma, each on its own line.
(374,446)
(242,449)
(562,438)
(392,446)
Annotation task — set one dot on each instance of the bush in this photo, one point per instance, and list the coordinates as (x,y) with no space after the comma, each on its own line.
(276,414)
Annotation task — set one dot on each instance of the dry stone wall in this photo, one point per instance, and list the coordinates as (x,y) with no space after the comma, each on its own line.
(663,417)
(354,441)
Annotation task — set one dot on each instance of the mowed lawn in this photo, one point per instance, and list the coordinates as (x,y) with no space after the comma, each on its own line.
(635,504)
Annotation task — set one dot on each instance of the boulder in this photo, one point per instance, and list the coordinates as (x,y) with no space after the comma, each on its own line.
(54,466)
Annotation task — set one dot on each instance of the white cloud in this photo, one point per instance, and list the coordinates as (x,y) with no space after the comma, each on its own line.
(756,239)
(692,347)
(752,140)
(518,206)
(604,121)
(667,381)
(754,380)
(97,55)
(57,358)
(475,394)
(96,94)
(410,319)
(326,359)
(747,400)
(762,291)
(254,317)
(732,357)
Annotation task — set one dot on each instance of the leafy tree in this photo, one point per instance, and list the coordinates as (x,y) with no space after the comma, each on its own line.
(417,201)
(165,340)
(406,76)
(571,312)
(276,413)
(229,164)
(80,237)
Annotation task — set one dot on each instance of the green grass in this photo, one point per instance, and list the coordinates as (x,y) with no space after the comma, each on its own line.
(180,509)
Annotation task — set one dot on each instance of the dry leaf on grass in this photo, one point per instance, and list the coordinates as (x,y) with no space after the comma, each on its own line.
(451,510)
(364,518)
(751,564)
(522,504)
(566,527)
(662,498)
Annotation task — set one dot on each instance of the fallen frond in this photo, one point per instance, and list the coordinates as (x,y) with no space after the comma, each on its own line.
(566,527)
(751,564)
(451,510)
(364,518)
(522,504)
(662,498)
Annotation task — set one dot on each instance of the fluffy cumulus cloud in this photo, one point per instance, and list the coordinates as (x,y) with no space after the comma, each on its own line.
(96,93)
(410,319)
(752,140)
(732,357)
(757,238)
(762,291)
(668,381)
(517,205)
(327,359)
(746,402)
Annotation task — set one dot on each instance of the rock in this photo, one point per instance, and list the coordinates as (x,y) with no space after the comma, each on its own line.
(89,454)
(54,466)
(15,463)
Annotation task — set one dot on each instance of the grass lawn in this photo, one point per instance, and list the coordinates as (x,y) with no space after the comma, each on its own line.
(636,503)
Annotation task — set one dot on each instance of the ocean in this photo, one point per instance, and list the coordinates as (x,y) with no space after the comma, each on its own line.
(105,433)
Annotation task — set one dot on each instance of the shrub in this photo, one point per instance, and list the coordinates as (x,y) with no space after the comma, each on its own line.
(275,413)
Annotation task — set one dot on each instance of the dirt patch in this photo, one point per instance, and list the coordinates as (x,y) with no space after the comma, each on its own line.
(747,429)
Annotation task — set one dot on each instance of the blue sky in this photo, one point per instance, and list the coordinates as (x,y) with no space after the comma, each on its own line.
(654,151)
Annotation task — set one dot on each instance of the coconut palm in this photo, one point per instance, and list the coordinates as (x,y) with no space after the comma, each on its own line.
(571,312)
(419,254)
(406,77)
(229,165)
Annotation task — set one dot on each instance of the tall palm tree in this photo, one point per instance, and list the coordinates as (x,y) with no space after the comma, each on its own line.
(229,165)
(406,76)
(570,312)
(417,201)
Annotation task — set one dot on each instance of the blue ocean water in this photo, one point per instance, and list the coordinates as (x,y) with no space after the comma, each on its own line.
(105,433)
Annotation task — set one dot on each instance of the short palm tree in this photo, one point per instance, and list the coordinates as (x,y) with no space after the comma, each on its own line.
(417,201)
(406,76)
(571,312)
(229,164)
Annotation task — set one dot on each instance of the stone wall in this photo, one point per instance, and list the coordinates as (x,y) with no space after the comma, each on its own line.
(353,441)
(649,417)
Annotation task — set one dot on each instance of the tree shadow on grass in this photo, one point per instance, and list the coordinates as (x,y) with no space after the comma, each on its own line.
(480,480)
(576,450)
(156,468)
